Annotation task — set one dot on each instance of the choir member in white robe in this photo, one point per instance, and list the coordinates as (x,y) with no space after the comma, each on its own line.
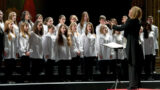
(88,50)
(82,25)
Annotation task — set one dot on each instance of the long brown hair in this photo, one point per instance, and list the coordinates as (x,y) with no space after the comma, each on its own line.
(23,31)
(35,29)
(92,28)
(82,19)
(7,30)
(60,38)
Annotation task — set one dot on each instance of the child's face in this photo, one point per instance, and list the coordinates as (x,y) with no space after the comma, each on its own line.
(39,26)
(150,20)
(26,28)
(27,16)
(10,26)
(51,30)
(74,28)
(14,17)
(89,27)
(73,20)
(63,29)
(105,30)
(62,20)
(85,17)
(102,21)
(40,19)
(50,21)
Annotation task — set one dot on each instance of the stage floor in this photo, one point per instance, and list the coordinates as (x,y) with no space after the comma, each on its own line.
(100,85)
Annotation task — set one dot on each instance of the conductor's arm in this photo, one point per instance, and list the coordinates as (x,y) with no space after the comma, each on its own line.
(121,27)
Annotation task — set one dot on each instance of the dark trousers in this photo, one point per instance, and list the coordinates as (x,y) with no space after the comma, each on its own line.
(25,65)
(148,65)
(89,61)
(62,69)
(74,67)
(10,65)
(104,67)
(134,76)
(49,67)
(37,67)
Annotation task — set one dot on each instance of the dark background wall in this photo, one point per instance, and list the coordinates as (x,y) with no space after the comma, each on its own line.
(109,8)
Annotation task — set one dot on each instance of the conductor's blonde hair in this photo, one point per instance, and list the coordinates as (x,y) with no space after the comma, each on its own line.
(135,13)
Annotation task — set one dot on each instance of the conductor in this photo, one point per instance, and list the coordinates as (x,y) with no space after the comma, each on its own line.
(133,47)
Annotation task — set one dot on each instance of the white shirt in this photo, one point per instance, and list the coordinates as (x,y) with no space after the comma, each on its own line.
(49,46)
(63,51)
(57,28)
(10,46)
(16,31)
(75,44)
(149,44)
(2,25)
(23,44)
(87,45)
(45,28)
(104,51)
(81,30)
(35,44)
(120,40)
(155,30)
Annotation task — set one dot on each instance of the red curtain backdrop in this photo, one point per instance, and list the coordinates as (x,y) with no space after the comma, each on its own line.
(30,6)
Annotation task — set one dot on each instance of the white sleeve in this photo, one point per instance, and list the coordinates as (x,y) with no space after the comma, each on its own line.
(81,44)
(6,47)
(46,43)
(79,28)
(156,32)
(97,30)
(101,42)
(31,42)
(74,45)
(21,46)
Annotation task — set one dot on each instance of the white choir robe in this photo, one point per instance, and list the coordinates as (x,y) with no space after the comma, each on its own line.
(57,28)
(10,46)
(87,45)
(98,34)
(49,46)
(2,25)
(16,31)
(23,44)
(149,44)
(75,44)
(63,51)
(121,52)
(81,30)
(155,30)
(142,42)
(104,53)
(45,28)
(35,44)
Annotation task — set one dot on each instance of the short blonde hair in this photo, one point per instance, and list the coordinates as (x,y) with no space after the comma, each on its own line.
(136,13)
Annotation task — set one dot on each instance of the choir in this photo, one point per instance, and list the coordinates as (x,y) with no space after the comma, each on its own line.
(41,45)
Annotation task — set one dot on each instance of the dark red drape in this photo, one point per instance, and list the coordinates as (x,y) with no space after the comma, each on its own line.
(30,6)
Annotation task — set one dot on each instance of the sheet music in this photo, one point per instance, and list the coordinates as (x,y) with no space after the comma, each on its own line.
(113,45)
